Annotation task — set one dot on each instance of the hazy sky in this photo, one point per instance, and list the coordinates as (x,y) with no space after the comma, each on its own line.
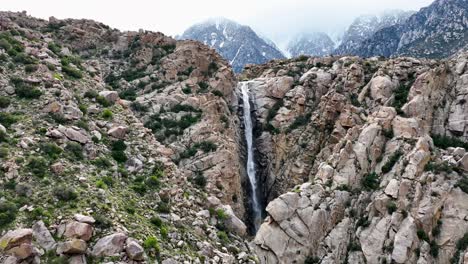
(276,19)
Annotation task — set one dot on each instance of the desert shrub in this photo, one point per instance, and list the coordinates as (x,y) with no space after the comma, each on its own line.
(3,151)
(3,136)
(4,102)
(54,47)
(183,108)
(8,211)
(103,101)
(119,145)
(107,114)
(7,119)
(438,167)
(463,184)
(200,180)
(223,237)
(274,110)
(101,184)
(370,181)
(64,193)
(164,207)
(129,94)
(151,245)
(102,221)
(91,94)
(217,93)
(187,90)
(119,156)
(51,150)
(27,91)
(31,68)
(38,166)
(72,72)
(446,142)
(139,107)
(74,150)
(422,235)
(164,232)
(156,221)
(311,260)
(391,161)
(300,121)
(391,207)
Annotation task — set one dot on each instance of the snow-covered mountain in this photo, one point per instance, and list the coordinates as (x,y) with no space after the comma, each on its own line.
(436,31)
(238,44)
(313,44)
(365,26)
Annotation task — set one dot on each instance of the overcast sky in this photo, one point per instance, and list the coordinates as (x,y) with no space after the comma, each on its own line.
(276,19)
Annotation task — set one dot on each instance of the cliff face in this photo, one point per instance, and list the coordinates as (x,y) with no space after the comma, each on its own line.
(122,145)
(371,155)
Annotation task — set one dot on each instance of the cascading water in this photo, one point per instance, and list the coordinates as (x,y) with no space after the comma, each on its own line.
(250,166)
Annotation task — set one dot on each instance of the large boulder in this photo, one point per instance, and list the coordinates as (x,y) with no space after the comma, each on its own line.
(110,245)
(110,96)
(74,246)
(118,132)
(232,222)
(15,238)
(134,250)
(42,236)
(78,230)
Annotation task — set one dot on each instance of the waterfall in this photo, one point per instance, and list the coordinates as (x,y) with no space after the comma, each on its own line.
(250,166)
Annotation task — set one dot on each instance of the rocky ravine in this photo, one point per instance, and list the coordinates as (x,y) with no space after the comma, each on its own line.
(126,147)
(371,155)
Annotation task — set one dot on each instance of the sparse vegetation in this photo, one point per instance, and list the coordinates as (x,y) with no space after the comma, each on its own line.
(446,142)
(370,181)
(392,161)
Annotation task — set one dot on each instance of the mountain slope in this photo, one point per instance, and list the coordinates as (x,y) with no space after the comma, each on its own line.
(364,27)
(238,44)
(436,31)
(313,44)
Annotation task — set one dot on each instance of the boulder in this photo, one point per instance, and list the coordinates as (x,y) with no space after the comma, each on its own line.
(84,219)
(77,259)
(118,132)
(15,238)
(74,135)
(134,250)
(74,246)
(463,162)
(381,87)
(279,86)
(42,236)
(110,245)
(22,251)
(110,96)
(233,223)
(78,230)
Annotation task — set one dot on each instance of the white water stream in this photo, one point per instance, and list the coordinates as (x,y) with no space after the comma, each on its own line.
(251,172)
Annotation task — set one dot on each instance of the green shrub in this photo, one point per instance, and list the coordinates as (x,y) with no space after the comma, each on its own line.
(438,167)
(119,156)
(8,211)
(72,72)
(156,221)
(300,121)
(392,161)
(183,108)
(102,221)
(187,90)
(164,232)
(3,137)
(446,142)
(54,47)
(119,145)
(203,87)
(370,181)
(274,110)
(103,101)
(4,102)
(91,94)
(422,235)
(101,184)
(107,114)
(223,237)
(151,244)
(31,68)
(463,184)
(38,166)
(7,119)
(75,150)
(3,151)
(391,207)
(139,107)
(129,94)
(200,180)
(26,91)
(102,162)
(64,193)
(221,214)
(217,93)
(312,260)
(164,207)
(51,150)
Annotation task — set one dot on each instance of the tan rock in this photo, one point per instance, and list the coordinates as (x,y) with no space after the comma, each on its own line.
(16,238)
(118,132)
(75,246)
(110,245)
(78,230)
